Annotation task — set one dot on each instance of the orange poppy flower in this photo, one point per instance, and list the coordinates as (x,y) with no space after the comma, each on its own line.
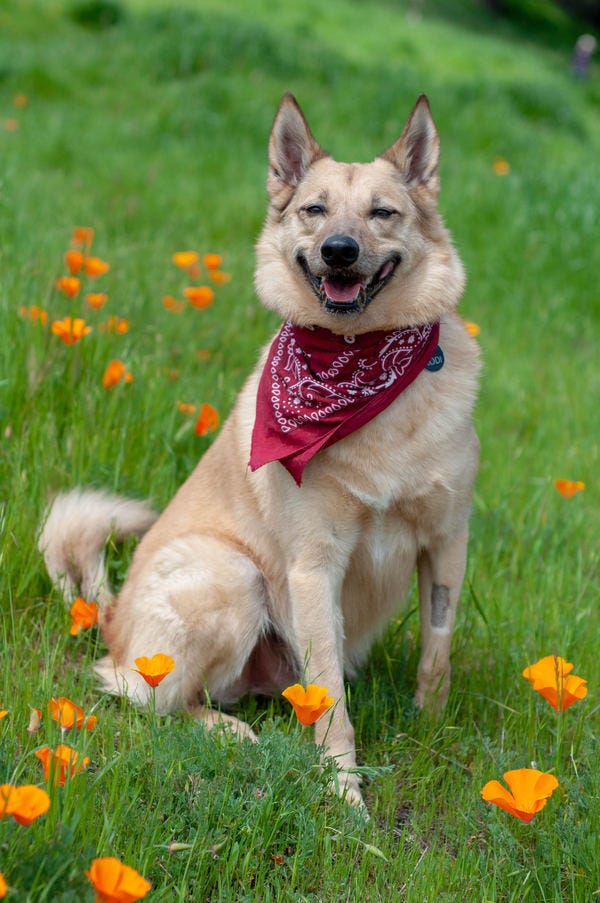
(115,882)
(154,669)
(82,236)
(69,285)
(219,277)
(5,792)
(35,721)
(114,373)
(185,259)
(60,763)
(74,261)
(551,678)
(500,166)
(3,713)
(24,803)
(569,488)
(199,296)
(193,271)
(212,261)
(95,267)
(3,886)
(27,803)
(172,304)
(70,715)
(83,615)
(529,792)
(20,100)
(11,125)
(186,408)
(115,325)
(70,330)
(208,421)
(34,313)
(203,354)
(96,300)
(472,328)
(308,704)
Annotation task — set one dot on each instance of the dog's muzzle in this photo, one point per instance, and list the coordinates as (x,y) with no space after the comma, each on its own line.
(341,288)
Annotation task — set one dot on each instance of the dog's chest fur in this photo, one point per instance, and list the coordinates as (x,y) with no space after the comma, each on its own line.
(407,476)
(408,461)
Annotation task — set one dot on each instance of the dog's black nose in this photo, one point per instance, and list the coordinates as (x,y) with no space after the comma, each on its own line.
(339,251)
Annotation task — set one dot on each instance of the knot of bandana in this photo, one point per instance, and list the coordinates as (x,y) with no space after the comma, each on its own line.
(317,387)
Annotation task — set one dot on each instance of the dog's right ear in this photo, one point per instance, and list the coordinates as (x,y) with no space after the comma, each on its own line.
(292,148)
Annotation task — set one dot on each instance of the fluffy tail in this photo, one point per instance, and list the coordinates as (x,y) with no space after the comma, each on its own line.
(76,529)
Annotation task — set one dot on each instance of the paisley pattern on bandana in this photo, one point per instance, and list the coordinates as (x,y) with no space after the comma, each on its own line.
(317,387)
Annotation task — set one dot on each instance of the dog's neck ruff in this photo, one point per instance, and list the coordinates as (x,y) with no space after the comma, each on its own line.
(317,387)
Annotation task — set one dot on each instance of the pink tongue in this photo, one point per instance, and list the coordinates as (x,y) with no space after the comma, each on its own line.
(341,291)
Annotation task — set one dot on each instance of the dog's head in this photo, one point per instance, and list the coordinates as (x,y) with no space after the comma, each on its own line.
(355,247)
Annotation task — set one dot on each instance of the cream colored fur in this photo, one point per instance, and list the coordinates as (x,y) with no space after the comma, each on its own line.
(250,582)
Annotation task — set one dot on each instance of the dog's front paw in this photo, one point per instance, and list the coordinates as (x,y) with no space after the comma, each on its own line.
(347,786)
(353,797)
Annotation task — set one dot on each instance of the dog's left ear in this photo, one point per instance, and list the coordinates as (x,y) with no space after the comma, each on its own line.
(416,153)
(292,148)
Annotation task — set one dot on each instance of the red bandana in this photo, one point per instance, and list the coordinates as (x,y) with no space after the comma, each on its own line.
(317,387)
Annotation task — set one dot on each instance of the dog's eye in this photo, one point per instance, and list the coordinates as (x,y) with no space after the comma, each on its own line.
(314,209)
(382,213)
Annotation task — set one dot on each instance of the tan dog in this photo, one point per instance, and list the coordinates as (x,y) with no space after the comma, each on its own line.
(251,581)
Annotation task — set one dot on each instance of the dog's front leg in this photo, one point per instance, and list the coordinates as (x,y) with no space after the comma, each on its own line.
(441,570)
(319,640)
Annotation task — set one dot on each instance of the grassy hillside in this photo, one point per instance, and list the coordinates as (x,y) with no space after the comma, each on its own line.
(153,131)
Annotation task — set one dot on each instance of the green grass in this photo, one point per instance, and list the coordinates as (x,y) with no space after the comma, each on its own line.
(154,132)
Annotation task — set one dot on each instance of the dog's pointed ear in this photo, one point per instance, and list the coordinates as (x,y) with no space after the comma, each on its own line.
(416,153)
(292,148)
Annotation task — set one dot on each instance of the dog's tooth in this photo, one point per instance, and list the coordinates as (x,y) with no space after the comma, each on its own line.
(386,269)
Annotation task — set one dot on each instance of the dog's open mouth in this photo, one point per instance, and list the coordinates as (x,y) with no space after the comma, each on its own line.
(348,291)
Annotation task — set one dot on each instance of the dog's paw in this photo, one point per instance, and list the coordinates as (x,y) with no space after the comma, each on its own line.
(212,718)
(347,787)
(353,797)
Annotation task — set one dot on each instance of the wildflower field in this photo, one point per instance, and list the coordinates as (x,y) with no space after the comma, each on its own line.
(133,143)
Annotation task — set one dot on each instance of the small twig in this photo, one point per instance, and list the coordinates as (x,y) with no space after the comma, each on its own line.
(573,763)
(435,752)
(404,887)
(500,705)
(588,715)
(487,749)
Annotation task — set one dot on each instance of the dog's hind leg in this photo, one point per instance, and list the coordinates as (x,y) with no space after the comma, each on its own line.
(202,602)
